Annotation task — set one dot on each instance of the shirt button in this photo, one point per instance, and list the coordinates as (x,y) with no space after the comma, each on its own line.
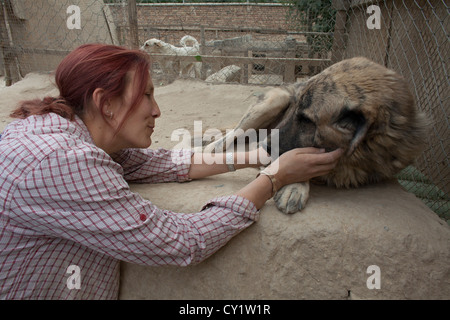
(142,217)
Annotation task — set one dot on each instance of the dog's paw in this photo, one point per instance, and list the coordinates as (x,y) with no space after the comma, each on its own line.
(292,198)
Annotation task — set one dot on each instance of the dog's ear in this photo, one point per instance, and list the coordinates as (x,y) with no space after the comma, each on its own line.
(354,122)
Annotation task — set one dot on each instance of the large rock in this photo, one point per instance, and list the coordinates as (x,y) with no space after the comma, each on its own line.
(230,73)
(323,252)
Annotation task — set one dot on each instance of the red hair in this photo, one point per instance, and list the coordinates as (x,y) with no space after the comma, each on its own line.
(85,69)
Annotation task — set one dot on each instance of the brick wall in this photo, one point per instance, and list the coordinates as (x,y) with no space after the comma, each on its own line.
(191,17)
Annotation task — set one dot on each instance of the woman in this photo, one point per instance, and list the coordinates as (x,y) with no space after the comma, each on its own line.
(64,195)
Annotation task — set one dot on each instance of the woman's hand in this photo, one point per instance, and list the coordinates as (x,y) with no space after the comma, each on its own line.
(297,165)
(302,164)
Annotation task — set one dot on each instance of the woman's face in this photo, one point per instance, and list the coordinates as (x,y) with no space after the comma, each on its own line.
(138,127)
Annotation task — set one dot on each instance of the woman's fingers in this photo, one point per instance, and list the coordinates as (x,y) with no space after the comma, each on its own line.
(305,163)
(321,157)
(309,150)
(326,162)
(330,157)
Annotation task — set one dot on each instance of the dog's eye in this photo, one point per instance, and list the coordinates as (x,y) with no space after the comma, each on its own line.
(347,124)
(304,119)
(350,119)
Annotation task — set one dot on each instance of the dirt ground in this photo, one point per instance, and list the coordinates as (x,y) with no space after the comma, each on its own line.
(181,102)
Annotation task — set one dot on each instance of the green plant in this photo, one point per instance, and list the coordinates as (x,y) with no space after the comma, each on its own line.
(317,18)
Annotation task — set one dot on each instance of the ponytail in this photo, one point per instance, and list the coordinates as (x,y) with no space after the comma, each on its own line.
(44,106)
(86,68)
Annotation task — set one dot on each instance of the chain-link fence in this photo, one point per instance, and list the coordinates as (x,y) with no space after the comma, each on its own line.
(233,42)
(255,42)
(413,40)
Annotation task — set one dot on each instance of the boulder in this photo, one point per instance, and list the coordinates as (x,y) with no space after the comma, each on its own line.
(230,73)
(375,242)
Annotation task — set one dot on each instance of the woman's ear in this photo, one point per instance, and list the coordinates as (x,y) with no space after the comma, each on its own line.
(97,97)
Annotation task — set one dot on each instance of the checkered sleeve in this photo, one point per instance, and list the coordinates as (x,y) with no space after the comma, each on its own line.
(84,198)
(153,166)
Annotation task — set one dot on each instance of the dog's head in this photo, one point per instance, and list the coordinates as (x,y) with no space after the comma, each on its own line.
(153,46)
(361,107)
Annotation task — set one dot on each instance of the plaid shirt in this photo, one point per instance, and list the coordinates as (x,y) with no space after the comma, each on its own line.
(66,210)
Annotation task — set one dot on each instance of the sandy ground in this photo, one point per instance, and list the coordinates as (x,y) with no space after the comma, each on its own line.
(181,102)
(31,87)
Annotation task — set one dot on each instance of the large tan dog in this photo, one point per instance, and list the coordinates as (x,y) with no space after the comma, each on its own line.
(357,105)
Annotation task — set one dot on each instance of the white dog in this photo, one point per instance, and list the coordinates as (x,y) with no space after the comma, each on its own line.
(169,65)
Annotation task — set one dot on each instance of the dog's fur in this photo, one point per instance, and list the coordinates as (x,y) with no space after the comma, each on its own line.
(357,105)
(169,65)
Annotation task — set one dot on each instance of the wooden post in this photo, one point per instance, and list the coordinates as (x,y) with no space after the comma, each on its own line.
(5,47)
(203,51)
(289,67)
(246,69)
(132,21)
(339,38)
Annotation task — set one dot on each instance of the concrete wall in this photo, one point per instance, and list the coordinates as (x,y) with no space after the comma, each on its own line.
(40,34)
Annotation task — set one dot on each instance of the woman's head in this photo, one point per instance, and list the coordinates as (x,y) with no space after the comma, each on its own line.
(86,69)
(110,89)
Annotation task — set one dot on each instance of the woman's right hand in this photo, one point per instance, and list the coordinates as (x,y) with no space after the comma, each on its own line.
(302,164)
(297,165)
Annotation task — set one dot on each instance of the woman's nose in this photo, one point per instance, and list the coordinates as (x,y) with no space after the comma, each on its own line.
(156,112)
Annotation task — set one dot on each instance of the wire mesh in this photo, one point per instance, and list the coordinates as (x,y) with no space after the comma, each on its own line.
(413,40)
(255,42)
